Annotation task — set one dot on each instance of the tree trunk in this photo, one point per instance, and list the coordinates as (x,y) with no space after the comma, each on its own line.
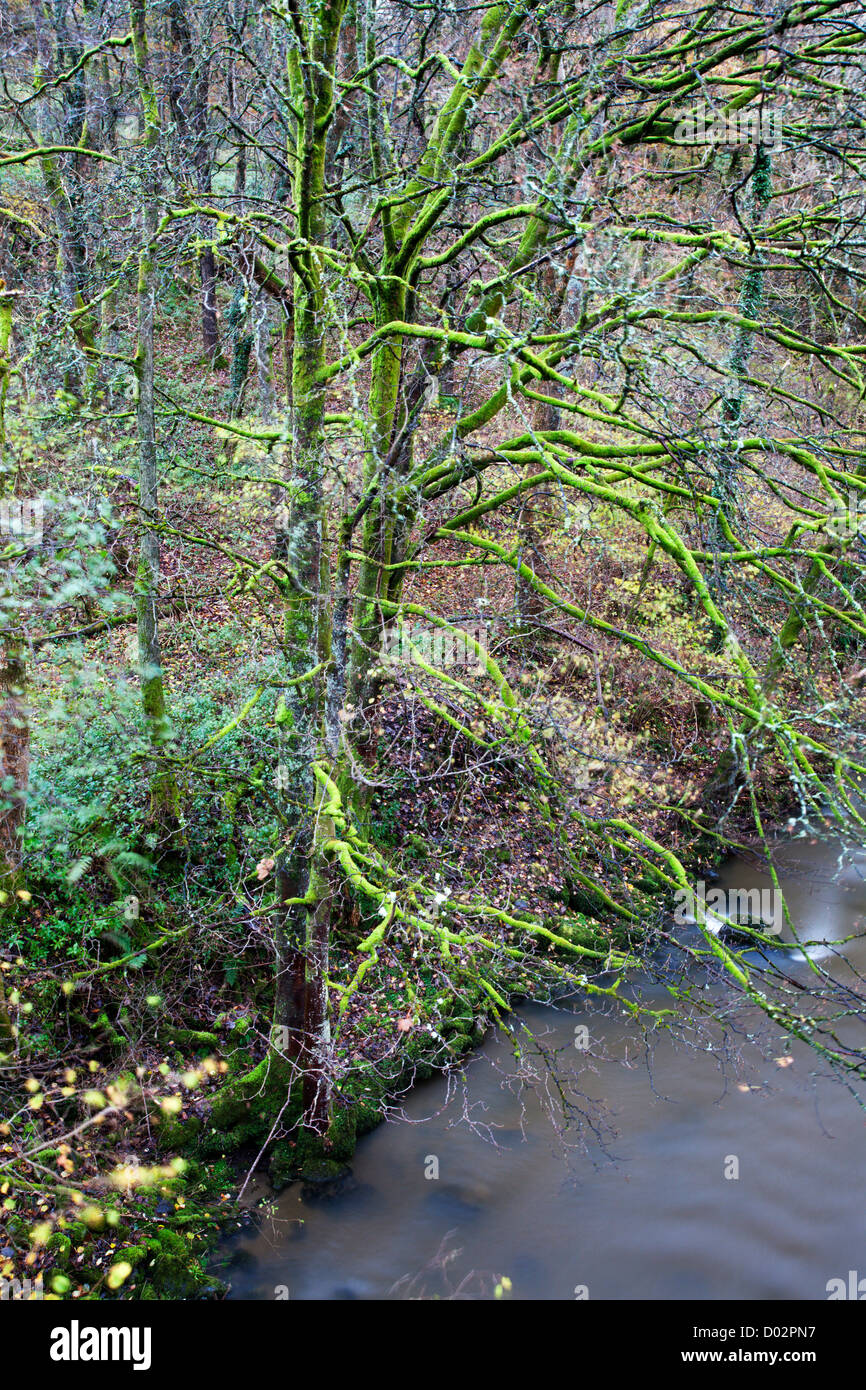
(303,925)
(189,82)
(14,768)
(14,727)
(163,790)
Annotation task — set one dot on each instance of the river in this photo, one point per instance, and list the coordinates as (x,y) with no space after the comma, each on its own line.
(703,1166)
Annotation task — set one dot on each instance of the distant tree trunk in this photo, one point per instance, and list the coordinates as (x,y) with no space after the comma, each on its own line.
(61,176)
(7,1027)
(242,345)
(14,769)
(263,352)
(209,330)
(7,300)
(553,286)
(164,794)
(73,276)
(340,133)
(188,98)
(238,313)
(751,303)
(110,110)
(530,605)
(14,727)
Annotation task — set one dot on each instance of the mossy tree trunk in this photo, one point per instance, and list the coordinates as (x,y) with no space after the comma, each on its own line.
(163,788)
(303,909)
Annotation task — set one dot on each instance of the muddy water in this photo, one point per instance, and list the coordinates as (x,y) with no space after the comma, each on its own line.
(613,1177)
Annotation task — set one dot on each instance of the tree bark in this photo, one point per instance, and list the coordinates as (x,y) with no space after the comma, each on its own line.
(14,726)
(163,789)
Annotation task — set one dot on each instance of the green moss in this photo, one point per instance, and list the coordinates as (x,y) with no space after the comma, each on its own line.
(175,1133)
(342,1134)
(60,1246)
(245,1108)
(283,1165)
(189,1037)
(322,1172)
(458,1043)
(169,1268)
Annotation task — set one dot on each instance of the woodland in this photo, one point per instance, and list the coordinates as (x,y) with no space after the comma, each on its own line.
(432,478)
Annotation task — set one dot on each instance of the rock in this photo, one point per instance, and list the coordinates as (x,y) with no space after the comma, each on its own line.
(324,1180)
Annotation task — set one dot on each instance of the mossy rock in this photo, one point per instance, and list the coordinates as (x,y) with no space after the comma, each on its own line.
(325,1178)
(578,931)
(257,1095)
(175,1133)
(458,1043)
(240,1061)
(461,1021)
(77,1232)
(342,1135)
(189,1038)
(60,1246)
(193,1173)
(585,901)
(422,1071)
(169,1269)
(230,1110)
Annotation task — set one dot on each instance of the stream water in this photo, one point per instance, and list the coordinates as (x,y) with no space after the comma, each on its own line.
(709,1168)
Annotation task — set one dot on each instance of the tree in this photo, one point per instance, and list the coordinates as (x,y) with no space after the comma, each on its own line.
(583,222)
(164,795)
